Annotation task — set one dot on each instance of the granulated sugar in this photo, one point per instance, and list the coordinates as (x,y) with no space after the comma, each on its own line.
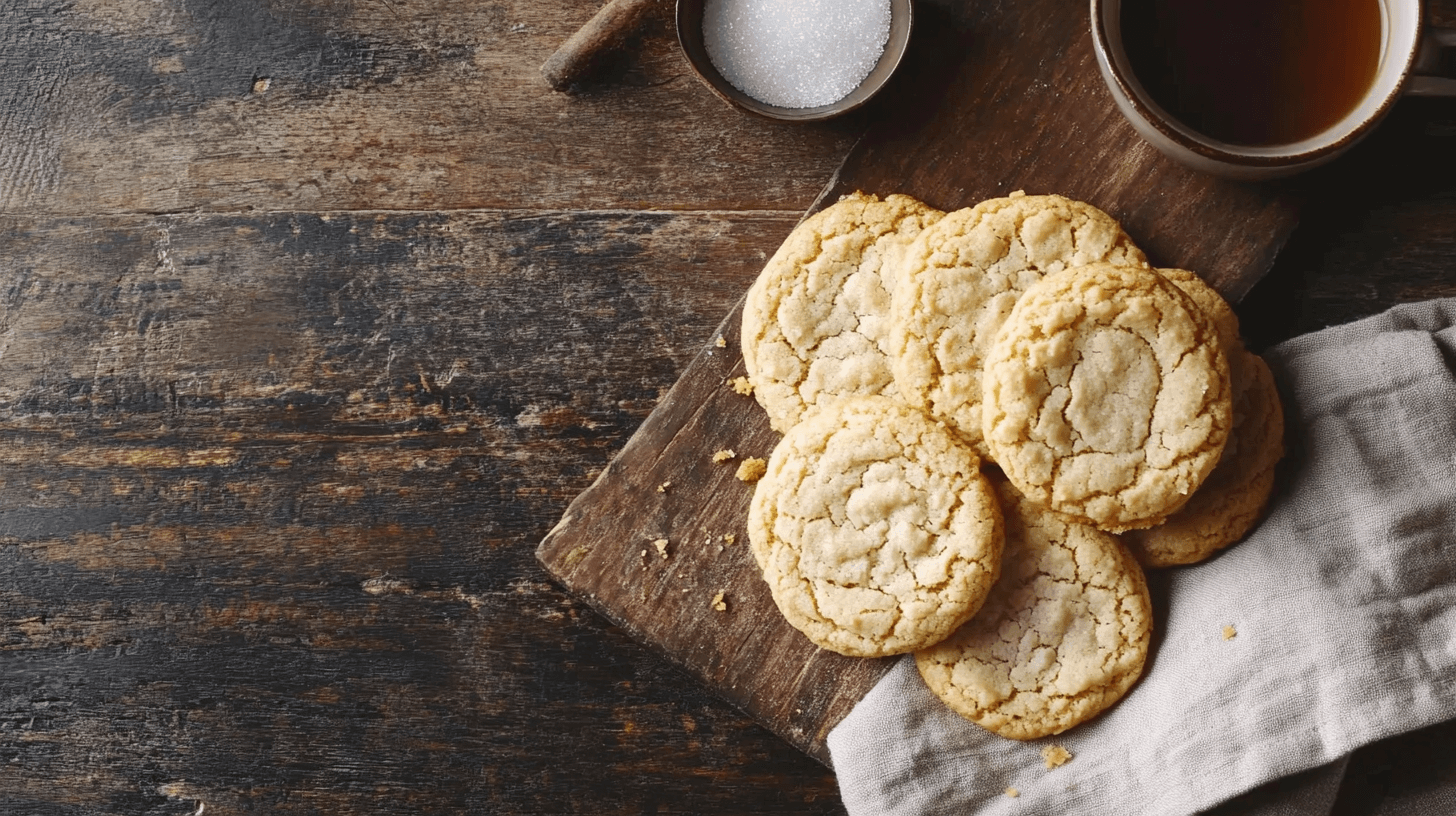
(796,53)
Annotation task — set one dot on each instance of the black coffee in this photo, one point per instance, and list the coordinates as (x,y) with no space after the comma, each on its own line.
(1254,72)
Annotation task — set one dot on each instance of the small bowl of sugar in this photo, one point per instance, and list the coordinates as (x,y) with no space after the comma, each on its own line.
(794,60)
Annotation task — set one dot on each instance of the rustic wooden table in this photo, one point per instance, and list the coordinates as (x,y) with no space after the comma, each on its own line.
(314,317)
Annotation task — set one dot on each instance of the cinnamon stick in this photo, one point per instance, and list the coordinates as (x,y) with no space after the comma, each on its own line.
(607,31)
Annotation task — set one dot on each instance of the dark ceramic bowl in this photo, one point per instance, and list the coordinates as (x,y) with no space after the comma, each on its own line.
(690,35)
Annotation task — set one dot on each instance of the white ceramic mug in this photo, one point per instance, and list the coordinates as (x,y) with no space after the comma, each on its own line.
(1409,52)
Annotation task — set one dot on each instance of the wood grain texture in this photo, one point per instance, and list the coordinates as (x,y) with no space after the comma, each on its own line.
(236,105)
(315,317)
(1378,231)
(666,485)
(270,486)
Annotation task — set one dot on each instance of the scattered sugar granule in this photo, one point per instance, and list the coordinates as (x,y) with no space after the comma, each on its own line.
(662,488)
(1013,792)
(1055,756)
(752,469)
(719,603)
(661,545)
(741,385)
(796,53)
(1229,632)
(724,455)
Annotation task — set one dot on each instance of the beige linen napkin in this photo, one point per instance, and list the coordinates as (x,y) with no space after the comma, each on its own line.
(1343,600)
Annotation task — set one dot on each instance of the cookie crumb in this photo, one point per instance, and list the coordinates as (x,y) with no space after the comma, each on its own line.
(1055,756)
(1229,632)
(752,469)
(661,545)
(742,386)
(720,342)
(1013,792)
(724,455)
(576,555)
(663,488)
(729,538)
(719,603)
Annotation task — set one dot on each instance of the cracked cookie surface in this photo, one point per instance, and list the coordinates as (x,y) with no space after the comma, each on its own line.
(961,278)
(874,528)
(1064,634)
(1107,396)
(1233,497)
(815,322)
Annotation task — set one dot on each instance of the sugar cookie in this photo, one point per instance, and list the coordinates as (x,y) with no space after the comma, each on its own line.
(961,277)
(1064,634)
(1211,303)
(874,528)
(815,320)
(1107,396)
(1234,496)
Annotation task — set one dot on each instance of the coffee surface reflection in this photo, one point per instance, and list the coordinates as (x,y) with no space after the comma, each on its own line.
(1254,72)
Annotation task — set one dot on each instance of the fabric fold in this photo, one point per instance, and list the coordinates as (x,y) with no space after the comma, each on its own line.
(1342,605)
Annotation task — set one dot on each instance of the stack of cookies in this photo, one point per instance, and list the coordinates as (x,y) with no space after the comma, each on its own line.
(993,419)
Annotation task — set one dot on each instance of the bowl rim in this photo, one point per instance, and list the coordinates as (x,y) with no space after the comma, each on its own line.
(689,21)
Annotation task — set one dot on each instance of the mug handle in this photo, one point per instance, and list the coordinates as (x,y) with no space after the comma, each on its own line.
(1423,81)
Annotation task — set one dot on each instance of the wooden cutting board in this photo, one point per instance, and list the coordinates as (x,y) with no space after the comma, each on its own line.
(996,96)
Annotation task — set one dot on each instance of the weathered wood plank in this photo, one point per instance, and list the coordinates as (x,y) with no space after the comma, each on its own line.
(269,490)
(1377,231)
(264,547)
(237,105)
(667,486)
